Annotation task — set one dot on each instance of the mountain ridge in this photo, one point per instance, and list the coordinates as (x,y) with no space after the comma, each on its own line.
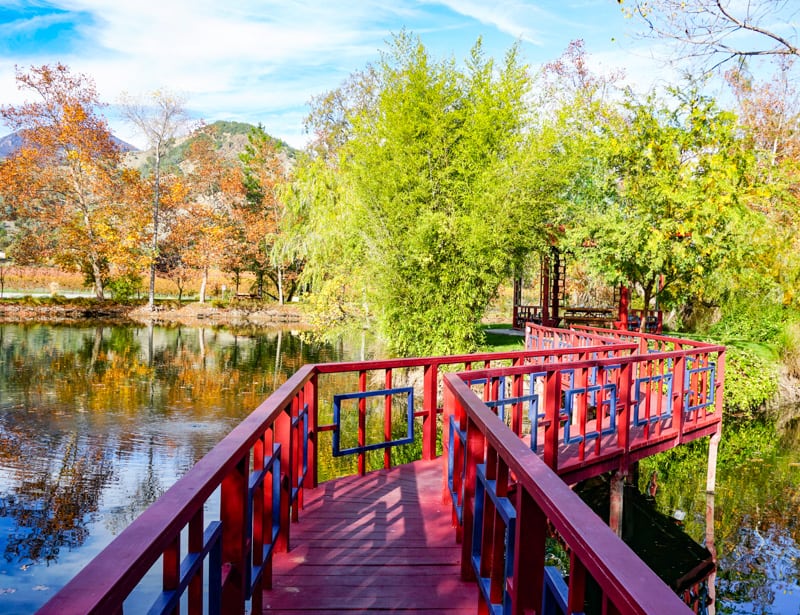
(13,141)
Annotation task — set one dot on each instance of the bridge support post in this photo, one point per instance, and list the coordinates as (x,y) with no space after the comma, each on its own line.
(616,499)
(235,537)
(711,476)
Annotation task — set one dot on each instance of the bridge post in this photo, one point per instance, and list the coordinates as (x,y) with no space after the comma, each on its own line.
(679,390)
(616,501)
(552,409)
(235,536)
(430,394)
(362,423)
(310,394)
(527,585)
(713,447)
(282,431)
(517,410)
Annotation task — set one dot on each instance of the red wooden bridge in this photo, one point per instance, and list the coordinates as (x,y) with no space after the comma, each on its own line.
(463,529)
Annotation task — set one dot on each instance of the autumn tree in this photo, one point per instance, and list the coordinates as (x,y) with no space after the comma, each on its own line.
(65,183)
(201,229)
(204,227)
(261,216)
(769,116)
(160,119)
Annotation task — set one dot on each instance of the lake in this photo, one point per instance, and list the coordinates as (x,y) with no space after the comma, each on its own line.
(96,421)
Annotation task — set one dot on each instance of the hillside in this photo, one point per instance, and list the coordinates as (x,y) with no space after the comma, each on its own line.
(229,137)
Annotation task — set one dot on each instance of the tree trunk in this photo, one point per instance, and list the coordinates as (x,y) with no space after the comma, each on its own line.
(151,300)
(648,294)
(203,285)
(97,276)
(280,284)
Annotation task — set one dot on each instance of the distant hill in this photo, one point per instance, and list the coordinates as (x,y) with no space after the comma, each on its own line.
(12,142)
(230,139)
(9,144)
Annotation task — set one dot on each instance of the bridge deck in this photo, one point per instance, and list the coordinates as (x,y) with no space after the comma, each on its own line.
(379,543)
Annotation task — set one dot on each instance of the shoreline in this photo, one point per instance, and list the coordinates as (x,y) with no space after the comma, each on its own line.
(192,314)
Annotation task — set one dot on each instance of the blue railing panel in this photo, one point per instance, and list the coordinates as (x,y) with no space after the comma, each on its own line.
(301,416)
(638,400)
(508,514)
(191,565)
(556,592)
(457,497)
(272,466)
(707,397)
(337,420)
(591,391)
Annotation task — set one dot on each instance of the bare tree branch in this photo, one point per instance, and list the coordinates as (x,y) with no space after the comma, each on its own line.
(722,30)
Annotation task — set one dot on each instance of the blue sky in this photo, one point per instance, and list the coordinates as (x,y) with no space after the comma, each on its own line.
(261,61)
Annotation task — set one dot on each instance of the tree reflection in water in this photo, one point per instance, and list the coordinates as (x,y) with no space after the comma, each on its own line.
(97,421)
(756,535)
(53,501)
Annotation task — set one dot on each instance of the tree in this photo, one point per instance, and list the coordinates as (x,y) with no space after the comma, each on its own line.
(65,183)
(202,230)
(420,171)
(680,209)
(722,30)
(264,174)
(160,120)
(204,227)
(769,116)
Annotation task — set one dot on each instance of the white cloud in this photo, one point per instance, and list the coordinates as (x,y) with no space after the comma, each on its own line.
(262,60)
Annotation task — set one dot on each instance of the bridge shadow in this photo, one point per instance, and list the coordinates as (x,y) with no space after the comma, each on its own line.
(378,543)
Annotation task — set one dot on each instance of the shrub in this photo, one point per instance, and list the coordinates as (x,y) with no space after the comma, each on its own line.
(750,382)
(125,287)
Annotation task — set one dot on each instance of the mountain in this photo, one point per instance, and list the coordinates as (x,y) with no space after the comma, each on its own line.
(12,142)
(230,138)
(9,144)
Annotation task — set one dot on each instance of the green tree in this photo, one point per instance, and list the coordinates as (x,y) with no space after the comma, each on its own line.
(422,168)
(679,211)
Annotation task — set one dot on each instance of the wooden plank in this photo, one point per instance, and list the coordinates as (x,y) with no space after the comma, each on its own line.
(379,543)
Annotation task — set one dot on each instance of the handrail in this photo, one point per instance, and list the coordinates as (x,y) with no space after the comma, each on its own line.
(263,466)
(500,559)
(626,398)
(113,574)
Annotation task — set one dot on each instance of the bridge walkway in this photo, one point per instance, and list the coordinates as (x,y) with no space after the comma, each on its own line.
(372,544)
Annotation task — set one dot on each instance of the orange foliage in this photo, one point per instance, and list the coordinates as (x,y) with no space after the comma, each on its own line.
(76,206)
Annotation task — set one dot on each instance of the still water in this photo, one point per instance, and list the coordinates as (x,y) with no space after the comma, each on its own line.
(97,421)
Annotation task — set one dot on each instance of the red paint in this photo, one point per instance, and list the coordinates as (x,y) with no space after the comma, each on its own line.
(596,550)
(106,581)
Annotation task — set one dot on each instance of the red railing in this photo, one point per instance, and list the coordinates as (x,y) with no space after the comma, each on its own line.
(510,497)
(261,469)
(263,466)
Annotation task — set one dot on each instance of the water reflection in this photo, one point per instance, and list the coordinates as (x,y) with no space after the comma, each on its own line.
(755,534)
(97,422)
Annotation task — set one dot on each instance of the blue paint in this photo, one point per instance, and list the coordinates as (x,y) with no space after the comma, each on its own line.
(337,421)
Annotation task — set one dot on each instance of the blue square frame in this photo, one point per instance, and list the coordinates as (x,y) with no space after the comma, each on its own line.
(337,421)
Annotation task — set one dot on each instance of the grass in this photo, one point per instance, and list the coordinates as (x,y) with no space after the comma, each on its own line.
(501,342)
